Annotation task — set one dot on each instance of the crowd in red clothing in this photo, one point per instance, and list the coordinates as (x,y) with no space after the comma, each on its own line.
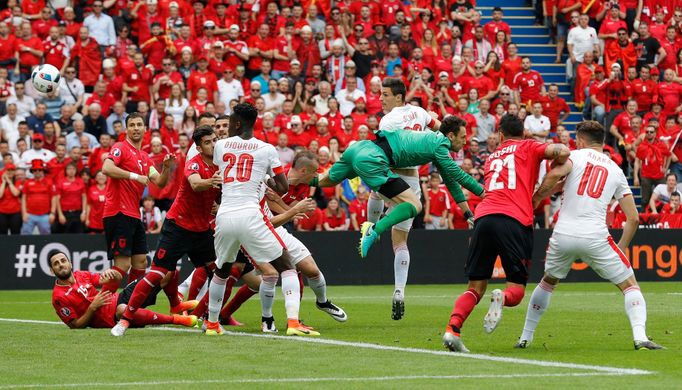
(313,69)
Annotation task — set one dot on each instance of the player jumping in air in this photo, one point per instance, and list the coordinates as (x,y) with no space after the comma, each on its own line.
(243,163)
(592,179)
(504,226)
(129,170)
(372,162)
(407,117)
(186,229)
(78,303)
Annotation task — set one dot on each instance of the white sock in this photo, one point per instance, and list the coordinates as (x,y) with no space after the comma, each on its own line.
(267,294)
(183,288)
(539,302)
(375,207)
(216,291)
(319,287)
(401,267)
(635,308)
(292,293)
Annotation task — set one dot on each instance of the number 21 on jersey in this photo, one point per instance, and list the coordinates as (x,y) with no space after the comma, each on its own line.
(497,166)
(244,165)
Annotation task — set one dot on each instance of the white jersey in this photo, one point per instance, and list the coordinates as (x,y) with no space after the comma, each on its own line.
(243,165)
(407,117)
(594,180)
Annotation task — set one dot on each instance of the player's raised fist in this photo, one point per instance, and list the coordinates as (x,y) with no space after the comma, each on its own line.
(169,161)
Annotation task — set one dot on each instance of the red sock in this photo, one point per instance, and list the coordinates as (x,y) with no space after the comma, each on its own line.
(300,283)
(235,273)
(142,317)
(198,280)
(112,285)
(463,307)
(142,290)
(200,310)
(242,295)
(171,289)
(135,273)
(513,295)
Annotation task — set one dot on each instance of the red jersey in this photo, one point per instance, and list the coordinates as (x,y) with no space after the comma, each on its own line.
(70,193)
(470,122)
(105,102)
(668,210)
(644,93)
(481,84)
(96,199)
(123,195)
(359,209)
(206,80)
(622,123)
(671,97)
(71,302)
(89,61)
(165,87)
(653,157)
(255,41)
(311,223)
(142,80)
(296,193)
(492,28)
(54,53)
(230,57)
(7,46)
(334,221)
(438,201)
(192,210)
(9,204)
(38,196)
(552,108)
(529,85)
(510,176)
(511,68)
(26,58)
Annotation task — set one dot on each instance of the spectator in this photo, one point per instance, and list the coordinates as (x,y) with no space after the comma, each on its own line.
(644,90)
(37,207)
(358,208)
(229,88)
(437,205)
(480,46)
(670,94)
(528,84)
(26,105)
(56,51)
(165,80)
(101,26)
(581,39)
(87,57)
(9,123)
(662,194)
(105,100)
(496,25)
(652,158)
(674,206)
(70,195)
(71,89)
(286,154)
(264,77)
(334,216)
(66,118)
(118,114)
(621,51)
(95,123)
(10,201)
(36,152)
(100,153)
(485,122)
(261,47)
(137,83)
(73,139)
(583,75)
(321,100)
(151,215)
(29,52)
(611,26)
(273,99)
(537,125)
(649,50)
(311,223)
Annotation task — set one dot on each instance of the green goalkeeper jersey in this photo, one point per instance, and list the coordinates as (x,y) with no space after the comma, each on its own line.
(412,148)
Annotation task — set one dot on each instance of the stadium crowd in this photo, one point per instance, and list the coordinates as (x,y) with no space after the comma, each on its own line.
(314,70)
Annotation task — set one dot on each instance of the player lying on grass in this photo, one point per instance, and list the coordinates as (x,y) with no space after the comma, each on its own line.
(372,162)
(504,227)
(590,179)
(79,304)
(186,229)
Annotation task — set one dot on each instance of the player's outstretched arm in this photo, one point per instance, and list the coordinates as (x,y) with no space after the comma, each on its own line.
(550,182)
(299,210)
(199,185)
(627,204)
(453,176)
(110,169)
(279,183)
(557,152)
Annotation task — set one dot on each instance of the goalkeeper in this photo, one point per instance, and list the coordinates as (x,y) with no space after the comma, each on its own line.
(372,162)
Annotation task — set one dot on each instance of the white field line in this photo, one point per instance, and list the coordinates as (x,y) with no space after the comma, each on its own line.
(305,380)
(530,362)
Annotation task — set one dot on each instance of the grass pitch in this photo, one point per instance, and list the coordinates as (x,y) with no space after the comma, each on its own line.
(585,329)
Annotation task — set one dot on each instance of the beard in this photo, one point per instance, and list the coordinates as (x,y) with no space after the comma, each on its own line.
(63,276)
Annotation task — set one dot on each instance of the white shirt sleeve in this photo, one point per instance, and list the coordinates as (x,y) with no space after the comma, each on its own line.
(623,188)
(275,163)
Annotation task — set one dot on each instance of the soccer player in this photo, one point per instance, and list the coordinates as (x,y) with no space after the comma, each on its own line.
(504,226)
(78,303)
(372,162)
(129,170)
(186,229)
(407,117)
(243,162)
(592,179)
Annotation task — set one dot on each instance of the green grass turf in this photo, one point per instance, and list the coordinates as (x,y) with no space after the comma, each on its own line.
(585,324)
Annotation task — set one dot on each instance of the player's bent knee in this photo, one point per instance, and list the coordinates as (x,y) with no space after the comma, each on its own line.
(629,282)
(308,267)
(252,280)
(551,280)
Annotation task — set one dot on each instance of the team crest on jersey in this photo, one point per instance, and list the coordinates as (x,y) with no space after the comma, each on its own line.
(121,242)
(194,167)
(161,253)
(116,152)
(65,311)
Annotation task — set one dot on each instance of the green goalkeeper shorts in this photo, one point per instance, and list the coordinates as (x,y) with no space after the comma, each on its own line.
(366,160)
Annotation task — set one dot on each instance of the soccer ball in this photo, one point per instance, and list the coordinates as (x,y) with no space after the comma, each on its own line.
(45,78)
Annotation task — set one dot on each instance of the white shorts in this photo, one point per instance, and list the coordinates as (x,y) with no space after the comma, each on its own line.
(602,255)
(249,229)
(413,182)
(295,248)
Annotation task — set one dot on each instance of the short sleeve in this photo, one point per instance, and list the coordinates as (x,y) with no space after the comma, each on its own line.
(275,163)
(623,189)
(116,154)
(538,149)
(65,312)
(191,168)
